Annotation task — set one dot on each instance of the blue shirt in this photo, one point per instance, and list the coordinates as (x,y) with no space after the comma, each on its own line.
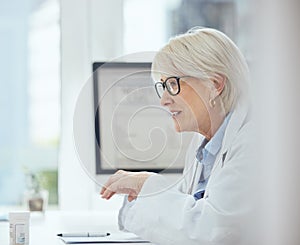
(206,155)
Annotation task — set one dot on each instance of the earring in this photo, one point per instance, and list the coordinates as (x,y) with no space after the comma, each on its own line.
(212,103)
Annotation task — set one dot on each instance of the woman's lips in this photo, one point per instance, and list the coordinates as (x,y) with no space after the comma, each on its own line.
(175,113)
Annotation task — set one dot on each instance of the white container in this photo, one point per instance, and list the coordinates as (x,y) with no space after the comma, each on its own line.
(19,228)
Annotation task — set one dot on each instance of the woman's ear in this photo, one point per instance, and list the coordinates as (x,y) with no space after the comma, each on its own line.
(219,83)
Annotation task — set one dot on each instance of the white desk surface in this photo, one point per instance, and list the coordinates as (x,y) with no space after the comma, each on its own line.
(43,228)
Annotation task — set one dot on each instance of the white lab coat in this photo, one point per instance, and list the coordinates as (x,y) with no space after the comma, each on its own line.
(167,215)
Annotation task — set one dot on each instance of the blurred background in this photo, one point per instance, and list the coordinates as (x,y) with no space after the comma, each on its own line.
(30,96)
(47,46)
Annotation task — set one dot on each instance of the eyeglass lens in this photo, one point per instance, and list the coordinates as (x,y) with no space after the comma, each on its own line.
(172,85)
(159,89)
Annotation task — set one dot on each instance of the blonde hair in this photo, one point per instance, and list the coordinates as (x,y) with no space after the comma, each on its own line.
(205,53)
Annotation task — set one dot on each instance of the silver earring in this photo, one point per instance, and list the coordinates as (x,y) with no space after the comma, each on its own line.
(212,103)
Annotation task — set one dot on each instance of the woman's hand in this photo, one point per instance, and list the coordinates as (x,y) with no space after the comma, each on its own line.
(124,182)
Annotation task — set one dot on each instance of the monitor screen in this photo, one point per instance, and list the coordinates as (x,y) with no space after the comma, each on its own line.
(133,131)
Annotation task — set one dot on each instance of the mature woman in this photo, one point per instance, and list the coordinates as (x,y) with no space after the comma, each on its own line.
(202,78)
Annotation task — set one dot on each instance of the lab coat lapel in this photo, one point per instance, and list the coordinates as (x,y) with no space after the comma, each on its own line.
(192,168)
(191,172)
(238,118)
(236,121)
(197,169)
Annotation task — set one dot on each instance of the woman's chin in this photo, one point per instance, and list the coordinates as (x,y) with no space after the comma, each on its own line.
(177,127)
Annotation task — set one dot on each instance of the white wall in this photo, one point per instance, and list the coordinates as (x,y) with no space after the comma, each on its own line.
(90,30)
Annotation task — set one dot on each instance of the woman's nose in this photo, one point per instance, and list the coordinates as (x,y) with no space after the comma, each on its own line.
(166,99)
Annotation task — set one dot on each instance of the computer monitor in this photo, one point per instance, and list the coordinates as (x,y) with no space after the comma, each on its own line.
(133,131)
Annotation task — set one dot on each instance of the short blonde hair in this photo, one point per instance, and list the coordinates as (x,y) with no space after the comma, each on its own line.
(205,53)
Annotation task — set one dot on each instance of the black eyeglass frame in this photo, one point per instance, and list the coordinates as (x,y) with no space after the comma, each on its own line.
(165,86)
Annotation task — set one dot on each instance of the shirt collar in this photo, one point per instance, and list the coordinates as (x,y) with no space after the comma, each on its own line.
(214,145)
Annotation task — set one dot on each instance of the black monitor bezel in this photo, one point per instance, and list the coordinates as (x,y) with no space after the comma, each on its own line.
(99,169)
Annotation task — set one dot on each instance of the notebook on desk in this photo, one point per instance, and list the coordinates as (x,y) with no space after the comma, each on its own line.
(122,237)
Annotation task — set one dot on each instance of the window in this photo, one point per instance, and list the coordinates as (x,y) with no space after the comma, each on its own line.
(30,92)
(149,24)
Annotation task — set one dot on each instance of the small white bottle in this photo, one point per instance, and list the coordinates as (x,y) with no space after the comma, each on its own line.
(19,228)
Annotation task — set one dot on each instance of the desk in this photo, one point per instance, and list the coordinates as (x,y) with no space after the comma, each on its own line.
(43,228)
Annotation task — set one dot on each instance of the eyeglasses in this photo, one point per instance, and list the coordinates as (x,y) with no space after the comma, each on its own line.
(171,83)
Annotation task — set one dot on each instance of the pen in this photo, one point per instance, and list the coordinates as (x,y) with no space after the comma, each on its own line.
(84,234)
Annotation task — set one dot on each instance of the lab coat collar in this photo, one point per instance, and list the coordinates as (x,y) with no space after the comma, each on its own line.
(238,118)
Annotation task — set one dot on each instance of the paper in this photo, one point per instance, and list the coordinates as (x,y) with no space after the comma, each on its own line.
(123,237)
